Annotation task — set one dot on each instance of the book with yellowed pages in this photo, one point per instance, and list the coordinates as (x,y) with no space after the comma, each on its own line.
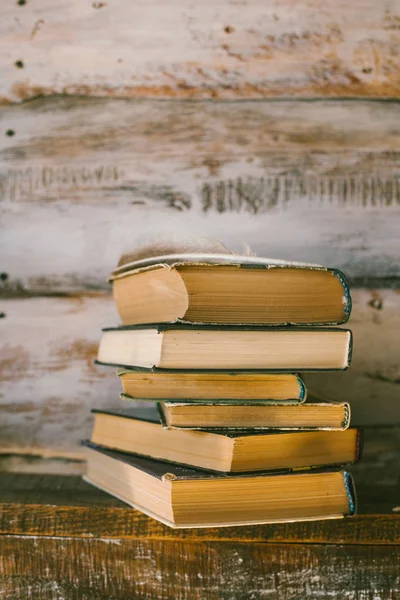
(227,288)
(235,386)
(139,430)
(314,414)
(186,497)
(209,347)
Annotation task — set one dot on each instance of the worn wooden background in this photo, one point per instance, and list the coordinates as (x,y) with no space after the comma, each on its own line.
(269,123)
(209,49)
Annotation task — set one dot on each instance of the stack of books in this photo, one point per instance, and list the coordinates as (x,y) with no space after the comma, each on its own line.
(214,344)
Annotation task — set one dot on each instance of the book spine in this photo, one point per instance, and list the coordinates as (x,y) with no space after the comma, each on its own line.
(351,493)
(360,444)
(303,389)
(347,296)
(350,350)
(346,416)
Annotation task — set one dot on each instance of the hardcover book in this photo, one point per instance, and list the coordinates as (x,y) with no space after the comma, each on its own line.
(208,347)
(139,430)
(189,386)
(227,288)
(313,414)
(185,497)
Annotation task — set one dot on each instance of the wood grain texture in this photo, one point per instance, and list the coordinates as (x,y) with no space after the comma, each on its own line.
(212,49)
(82,180)
(78,569)
(126,523)
(49,381)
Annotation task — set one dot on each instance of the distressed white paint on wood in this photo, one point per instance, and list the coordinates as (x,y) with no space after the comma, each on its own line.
(49,382)
(82,180)
(214,48)
(372,383)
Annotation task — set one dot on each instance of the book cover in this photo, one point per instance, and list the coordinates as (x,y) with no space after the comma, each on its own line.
(173,257)
(167,471)
(161,327)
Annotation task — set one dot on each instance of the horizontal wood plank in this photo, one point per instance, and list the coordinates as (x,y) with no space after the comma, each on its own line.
(126,523)
(82,180)
(79,569)
(212,49)
(50,383)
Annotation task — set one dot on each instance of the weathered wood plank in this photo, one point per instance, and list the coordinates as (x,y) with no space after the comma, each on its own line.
(80,569)
(49,381)
(82,180)
(212,49)
(125,523)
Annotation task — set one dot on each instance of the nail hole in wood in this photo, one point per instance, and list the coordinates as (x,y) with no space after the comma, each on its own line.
(367,70)
(376,303)
(3,276)
(229,29)
(19,64)
(10,132)
(21,2)
(2,315)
